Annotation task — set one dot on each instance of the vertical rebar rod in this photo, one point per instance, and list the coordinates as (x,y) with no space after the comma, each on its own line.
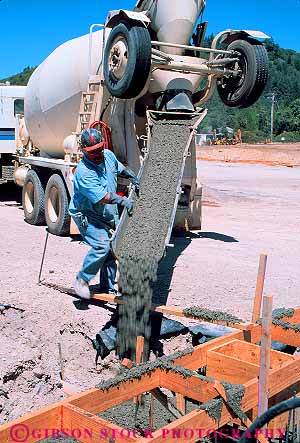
(43,258)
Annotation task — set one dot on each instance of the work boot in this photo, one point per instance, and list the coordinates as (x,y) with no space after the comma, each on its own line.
(82,288)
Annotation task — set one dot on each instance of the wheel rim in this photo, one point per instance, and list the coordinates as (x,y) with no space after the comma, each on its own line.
(29,197)
(118,57)
(233,85)
(53,205)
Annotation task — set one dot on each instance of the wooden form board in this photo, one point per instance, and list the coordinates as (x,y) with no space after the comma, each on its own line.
(238,361)
(289,336)
(78,411)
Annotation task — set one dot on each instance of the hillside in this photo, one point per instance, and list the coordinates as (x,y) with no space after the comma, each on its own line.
(21,78)
(284,81)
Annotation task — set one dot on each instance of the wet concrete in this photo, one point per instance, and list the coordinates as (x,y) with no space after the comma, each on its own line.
(278,314)
(138,371)
(137,276)
(209,315)
(235,394)
(142,242)
(213,408)
(123,415)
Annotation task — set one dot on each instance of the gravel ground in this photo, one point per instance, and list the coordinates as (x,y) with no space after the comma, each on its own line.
(248,209)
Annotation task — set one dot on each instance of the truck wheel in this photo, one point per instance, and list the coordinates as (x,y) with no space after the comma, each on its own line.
(57,206)
(127,60)
(245,88)
(33,199)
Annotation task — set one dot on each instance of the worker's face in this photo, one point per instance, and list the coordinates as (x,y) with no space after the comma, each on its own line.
(95,153)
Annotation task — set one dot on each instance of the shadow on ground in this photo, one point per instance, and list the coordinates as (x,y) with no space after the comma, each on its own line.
(9,192)
(216,236)
(108,335)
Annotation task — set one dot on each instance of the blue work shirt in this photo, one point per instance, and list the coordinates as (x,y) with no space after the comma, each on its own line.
(91,183)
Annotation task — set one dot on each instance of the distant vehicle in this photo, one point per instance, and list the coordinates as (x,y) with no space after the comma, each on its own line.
(11,109)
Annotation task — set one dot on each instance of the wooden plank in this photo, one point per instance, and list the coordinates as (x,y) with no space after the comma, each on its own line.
(32,427)
(259,287)
(221,390)
(163,399)
(250,353)
(288,336)
(172,310)
(295,319)
(281,420)
(198,358)
(192,387)
(265,355)
(86,427)
(178,312)
(107,298)
(279,379)
(180,403)
(95,400)
(230,369)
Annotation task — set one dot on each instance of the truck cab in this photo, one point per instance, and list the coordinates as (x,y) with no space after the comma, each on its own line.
(11,109)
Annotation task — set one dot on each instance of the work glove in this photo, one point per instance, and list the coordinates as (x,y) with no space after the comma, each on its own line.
(122,201)
(135,181)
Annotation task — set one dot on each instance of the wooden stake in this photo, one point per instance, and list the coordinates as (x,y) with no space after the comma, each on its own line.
(138,359)
(259,287)
(265,354)
(180,402)
(139,349)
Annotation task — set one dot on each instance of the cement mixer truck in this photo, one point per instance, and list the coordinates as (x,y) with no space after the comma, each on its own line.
(139,67)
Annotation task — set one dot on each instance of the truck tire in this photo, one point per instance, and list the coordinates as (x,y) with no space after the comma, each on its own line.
(127,60)
(57,206)
(33,199)
(244,90)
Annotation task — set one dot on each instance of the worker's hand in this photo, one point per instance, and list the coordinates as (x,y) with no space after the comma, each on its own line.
(127,203)
(135,181)
(136,185)
(122,201)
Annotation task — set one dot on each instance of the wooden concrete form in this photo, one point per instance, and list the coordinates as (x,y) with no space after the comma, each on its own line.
(79,411)
(252,331)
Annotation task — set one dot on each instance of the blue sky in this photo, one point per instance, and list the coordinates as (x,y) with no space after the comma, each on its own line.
(31,29)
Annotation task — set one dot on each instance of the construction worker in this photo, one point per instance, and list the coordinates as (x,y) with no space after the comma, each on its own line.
(94,209)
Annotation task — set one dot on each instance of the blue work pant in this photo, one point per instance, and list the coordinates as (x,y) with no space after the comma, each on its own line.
(99,257)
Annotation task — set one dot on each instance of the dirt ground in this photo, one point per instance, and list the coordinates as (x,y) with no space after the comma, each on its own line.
(248,209)
(287,154)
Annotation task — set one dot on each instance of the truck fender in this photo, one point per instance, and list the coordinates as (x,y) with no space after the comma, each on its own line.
(114,17)
(231,35)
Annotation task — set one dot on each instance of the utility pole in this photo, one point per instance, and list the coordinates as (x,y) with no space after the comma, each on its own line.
(272,114)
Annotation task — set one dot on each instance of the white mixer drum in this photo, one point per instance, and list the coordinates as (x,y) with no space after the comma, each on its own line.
(54,91)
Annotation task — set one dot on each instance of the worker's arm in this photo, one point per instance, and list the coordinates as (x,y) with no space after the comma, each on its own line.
(111,198)
(135,181)
(124,171)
